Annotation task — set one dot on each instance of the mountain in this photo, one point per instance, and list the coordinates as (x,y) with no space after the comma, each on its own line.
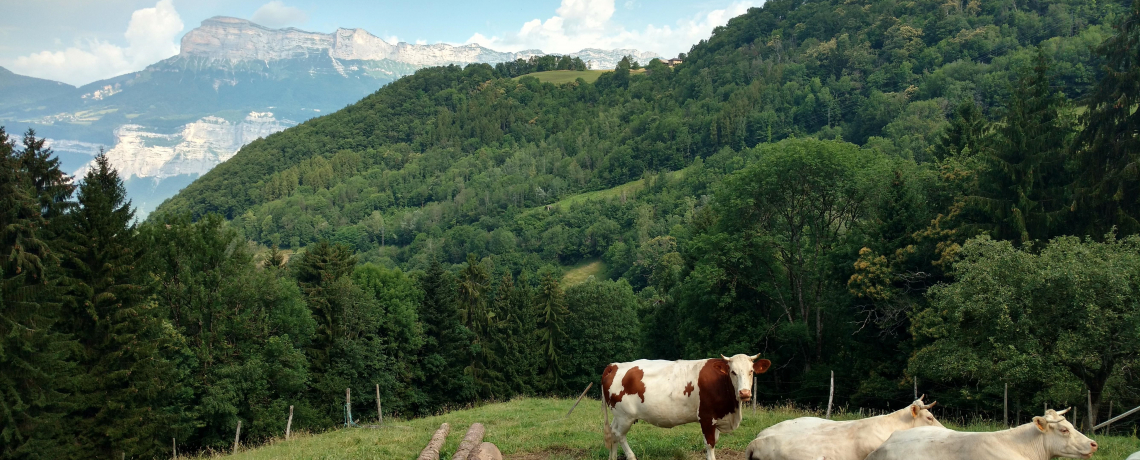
(18,90)
(227,69)
(449,159)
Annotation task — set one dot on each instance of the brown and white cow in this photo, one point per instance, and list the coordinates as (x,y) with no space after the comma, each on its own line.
(671,393)
(814,438)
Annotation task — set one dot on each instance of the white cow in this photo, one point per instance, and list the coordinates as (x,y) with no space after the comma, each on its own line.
(814,438)
(1042,439)
(671,393)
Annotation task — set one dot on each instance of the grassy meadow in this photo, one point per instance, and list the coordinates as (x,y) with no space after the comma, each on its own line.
(566,76)
(535,428)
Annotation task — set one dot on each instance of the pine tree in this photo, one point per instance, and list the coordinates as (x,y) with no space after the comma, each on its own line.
(1022,187)
(53,188)
(125,379)
(551,317)
(1107,192)
(447,343)
(474,282)
(964,135)
(35,371)
(513,340)
(320,268)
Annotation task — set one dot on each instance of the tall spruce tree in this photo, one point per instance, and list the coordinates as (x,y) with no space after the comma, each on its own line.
(1022,194)
(1107,192)
(551,305)
(473,285)
(320,268)
(125,379)
(965,134)
(447,343)
(35,370)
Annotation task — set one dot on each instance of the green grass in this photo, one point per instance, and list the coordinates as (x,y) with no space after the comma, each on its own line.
(534,428)
(583,271)
(566,76)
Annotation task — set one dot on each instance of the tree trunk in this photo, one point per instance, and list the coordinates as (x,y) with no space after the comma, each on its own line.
(431,451)
(470,441)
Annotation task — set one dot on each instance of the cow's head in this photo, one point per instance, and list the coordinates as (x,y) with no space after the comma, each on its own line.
(740,370)
(1061,438)
(920,414)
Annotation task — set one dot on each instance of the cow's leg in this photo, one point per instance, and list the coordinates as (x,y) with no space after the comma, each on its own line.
(620,427)
(708,429)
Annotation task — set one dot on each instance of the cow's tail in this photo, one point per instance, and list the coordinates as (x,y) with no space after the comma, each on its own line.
(606,429)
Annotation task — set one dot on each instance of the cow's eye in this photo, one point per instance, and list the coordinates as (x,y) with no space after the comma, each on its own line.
(733,372)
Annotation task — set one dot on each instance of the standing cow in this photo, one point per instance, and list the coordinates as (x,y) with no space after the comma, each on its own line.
(671,393)
(1042,439)
(814,438)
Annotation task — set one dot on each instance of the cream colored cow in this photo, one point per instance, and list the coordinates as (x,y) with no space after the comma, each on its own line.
(813,438)
(1043,438)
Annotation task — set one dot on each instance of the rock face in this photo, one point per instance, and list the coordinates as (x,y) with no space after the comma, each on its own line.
(195,149)
(233,39)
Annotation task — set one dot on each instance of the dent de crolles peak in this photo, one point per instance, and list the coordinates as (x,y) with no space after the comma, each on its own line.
(234,39)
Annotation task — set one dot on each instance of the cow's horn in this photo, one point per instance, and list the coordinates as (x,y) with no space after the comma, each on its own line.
(920,398)
(1063,412)
(753,357)
(928,406)
(722,357)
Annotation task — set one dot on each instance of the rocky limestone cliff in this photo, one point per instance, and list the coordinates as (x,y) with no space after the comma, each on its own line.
(195,149)
(233,39)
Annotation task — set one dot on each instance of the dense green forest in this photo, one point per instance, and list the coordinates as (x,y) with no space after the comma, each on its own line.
(934,194)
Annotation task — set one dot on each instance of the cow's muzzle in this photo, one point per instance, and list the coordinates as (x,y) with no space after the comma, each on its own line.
(745,395)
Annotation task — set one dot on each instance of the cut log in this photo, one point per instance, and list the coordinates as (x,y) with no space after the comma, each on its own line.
(486,451)
(431,451)
(470,441)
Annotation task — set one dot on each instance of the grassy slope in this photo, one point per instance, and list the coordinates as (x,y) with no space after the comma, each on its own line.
(532,429)
(579,273)
(567,76)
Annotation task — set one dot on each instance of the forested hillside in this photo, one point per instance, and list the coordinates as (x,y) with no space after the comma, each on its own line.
(941,195)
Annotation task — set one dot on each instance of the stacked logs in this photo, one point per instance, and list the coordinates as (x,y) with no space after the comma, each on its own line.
(471,448)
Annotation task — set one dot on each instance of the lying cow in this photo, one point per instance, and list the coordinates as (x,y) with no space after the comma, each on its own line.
(671,393)
(813,438)
(1042,439)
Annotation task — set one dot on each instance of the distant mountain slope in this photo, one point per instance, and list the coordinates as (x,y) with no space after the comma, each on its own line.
(18,90)
(447,161)
(227,71)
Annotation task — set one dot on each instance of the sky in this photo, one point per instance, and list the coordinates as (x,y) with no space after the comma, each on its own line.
(82,41)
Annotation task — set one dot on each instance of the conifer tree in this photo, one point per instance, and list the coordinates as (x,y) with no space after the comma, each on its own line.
(35,371)
(52,187)
(1022,188)
(125,379)
(474,282)
(552,313)
(446,351)
(1107,192)
(965,134)
(320,268)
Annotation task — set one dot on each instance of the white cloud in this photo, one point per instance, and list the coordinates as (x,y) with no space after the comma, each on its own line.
(150,38)
(579,24)
(275,14)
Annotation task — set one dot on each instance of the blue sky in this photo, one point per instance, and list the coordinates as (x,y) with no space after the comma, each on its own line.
(80,41)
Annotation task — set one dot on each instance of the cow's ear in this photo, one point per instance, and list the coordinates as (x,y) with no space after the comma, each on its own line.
(1040,423)
(914,410)
(761,366)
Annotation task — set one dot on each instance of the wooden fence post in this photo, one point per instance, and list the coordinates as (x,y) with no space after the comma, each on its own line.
(379,414)
(831,395)
(237,436)
(1092,416)
(754,395)
(174,445)
(591,385)
(1005,406)
(289,424)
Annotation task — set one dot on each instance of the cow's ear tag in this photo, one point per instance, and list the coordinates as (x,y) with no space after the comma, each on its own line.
(1040,423)
(761,366)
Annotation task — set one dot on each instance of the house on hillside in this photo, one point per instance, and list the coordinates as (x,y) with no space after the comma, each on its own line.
(673,62)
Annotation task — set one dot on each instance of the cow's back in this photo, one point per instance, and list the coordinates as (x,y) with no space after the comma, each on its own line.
(810,438)
(936,443)
(662,393)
